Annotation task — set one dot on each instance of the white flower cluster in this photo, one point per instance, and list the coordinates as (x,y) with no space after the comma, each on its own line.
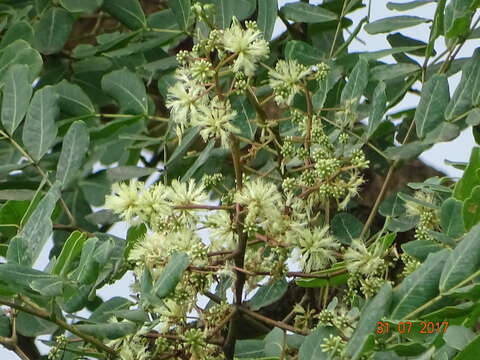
(315,249)
(290,77)
(191,100)
(159,206)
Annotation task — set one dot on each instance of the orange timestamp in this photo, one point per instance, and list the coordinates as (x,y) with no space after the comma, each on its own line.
(407,327)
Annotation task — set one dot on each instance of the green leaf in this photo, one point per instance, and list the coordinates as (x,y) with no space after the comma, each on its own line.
(75,298)
(102,217)
(450,312)
(307,13)
(171,275)
(458,337)
(470,351)
(430,110)
(462,262)
(40,130)
(223,13)
(12,213)
(23,277)
(20,52)
(420,249)
(393,71)
(106,310)
(462,98)
(419,287)
(302,52)
(357,82)
(53,30)
(87,270)
(109,331)
(83,6)
(409,198)
(373,312)
(25,248)
(471,208)
(249,349)
(74,148)
(267,16)
(19,30)
(407,6)
(128,12)
(73,100)
(20,194)
(451,218)
(134,234)
(138,316)
(245,118)
(320,96)
(393,23)
(392,206)
(128,90)
(70,251)
(400,40)
(274,342)
(122,173)
(470,178)
(201,159)
(47,287)
(268,294)
(442,133)
(187,140)
(311,348)
(164,20)
(5,326)
(32,326)
(473,118)
(243,9)
(164,64)
(409,349)
(458,14)
(182,12)
(379,107)
(346,227)
(437,27)
(16,97)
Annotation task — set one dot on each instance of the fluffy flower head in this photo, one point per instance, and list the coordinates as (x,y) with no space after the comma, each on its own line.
(248,44)
(216,121)
(184,100)
(124,199)
(360,260)
(315,249)
(286,80)
(262,200)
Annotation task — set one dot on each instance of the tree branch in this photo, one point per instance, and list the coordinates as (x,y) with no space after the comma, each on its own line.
(34,310)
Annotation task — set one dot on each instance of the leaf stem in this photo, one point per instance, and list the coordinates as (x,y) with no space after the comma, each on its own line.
(71,218)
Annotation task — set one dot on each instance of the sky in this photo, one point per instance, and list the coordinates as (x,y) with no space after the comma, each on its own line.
(457,150)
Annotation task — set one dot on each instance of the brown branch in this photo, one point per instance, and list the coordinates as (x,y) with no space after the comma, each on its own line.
(238,255)
(34,310)
(272,322)
(11,344)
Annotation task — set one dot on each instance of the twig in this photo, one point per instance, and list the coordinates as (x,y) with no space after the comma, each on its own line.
(35,310)
(272,322)
(383,190)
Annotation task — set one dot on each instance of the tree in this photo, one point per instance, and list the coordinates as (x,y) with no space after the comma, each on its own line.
(251,239)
